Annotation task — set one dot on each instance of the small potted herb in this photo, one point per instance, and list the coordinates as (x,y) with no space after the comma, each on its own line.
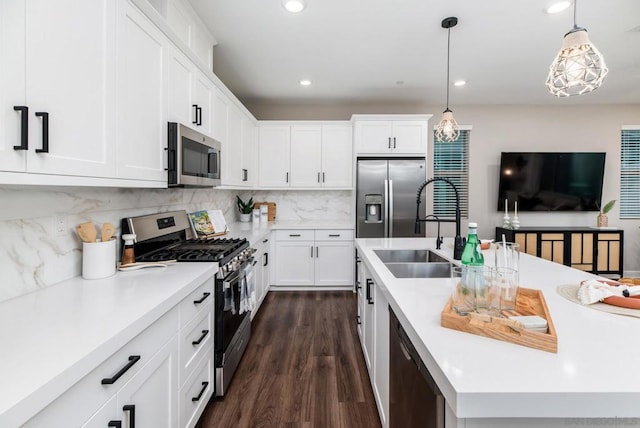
(603,220)
(245,208)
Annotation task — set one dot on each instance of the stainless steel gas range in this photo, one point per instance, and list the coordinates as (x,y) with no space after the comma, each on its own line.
(168,236)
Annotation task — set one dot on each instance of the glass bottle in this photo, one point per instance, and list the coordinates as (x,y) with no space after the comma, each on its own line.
(473,283)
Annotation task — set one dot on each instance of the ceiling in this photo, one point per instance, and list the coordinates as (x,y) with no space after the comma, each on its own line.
(396,50)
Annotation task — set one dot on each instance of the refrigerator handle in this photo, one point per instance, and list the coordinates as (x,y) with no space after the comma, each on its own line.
(390,208)
(386,209)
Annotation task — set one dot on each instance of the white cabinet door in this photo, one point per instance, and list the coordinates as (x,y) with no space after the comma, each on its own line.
(220,117)
(410,137)
(337,156)
(274,153)
(107,414)
(369,322)
(232,148)
(294,263)
(12,83)
(373,137)
(181,82)
(153,391)
(142,100)
(381,359)
(203,98)
(249,153)
(70,67)
(334,263)
(306,152)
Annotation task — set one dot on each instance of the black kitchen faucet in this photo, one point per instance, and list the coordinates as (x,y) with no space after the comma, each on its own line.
(458,242)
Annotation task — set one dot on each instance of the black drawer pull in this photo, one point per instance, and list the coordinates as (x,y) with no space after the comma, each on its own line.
(337,235)
(266,259)
(294,235)
(24,127)
(111,380)
(195,114)
(264,241)
(358,320)
(132,414)
(204,388)
(115,424)
(199,116)
(204,334)
(204,296)
(45,132)
(368,295)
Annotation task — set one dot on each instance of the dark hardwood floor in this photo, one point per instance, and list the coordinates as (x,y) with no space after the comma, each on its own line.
(303,368)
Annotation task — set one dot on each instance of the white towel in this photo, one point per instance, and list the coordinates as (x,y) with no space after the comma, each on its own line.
(247,289)
(592,291)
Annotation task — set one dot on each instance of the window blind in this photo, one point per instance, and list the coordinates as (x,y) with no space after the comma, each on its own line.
(451,161)
(630,173)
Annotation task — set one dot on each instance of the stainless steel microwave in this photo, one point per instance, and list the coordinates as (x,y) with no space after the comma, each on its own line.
(193,158)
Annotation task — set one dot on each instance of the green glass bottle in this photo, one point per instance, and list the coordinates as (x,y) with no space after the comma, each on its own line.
(473,284)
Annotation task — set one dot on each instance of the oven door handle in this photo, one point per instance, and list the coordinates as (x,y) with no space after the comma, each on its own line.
(233,276)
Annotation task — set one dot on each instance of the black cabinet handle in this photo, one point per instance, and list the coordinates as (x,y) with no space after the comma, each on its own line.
(369,284)
(358,286)
(204,334)
(24,127)
(323,177)
(132,414)
(265,256)
(312,251)
(318,177)
(389,146)
(294,235)
(245,174)
(202,299)
(264,241)
(195,114)
(287,177)
(317,253)
(111,380)
(45,132)
(394,142)
(336,235)
(115,424)
(204,388)
(199,112)
(358,320)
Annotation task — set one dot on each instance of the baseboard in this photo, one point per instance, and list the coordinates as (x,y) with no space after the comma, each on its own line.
(632,273)
(311,288)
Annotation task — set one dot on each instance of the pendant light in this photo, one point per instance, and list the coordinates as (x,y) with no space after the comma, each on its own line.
(447,129)
(579,67)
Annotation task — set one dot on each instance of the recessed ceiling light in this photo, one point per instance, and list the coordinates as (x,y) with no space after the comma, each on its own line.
(558,7)
(459,83)
(294,6)
(305,82)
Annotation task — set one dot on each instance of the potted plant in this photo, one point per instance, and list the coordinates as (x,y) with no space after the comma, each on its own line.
(603,220)
(245,208)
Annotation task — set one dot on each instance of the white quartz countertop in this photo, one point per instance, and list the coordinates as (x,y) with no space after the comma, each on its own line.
(591,376)
(52,338)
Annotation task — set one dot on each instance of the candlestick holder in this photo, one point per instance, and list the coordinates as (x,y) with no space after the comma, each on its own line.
(506,221)
(515,223)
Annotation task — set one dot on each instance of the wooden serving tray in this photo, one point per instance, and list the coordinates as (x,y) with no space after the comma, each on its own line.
(528,302)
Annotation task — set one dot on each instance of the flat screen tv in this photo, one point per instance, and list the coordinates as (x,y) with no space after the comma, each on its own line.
(551,181)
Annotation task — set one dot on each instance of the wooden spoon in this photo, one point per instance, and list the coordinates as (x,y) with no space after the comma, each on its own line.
(87,232)
(107,232)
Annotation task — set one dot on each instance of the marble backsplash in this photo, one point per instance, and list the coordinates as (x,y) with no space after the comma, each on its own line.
(33,255)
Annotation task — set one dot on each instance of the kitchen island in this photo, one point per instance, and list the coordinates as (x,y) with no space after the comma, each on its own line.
(490,383)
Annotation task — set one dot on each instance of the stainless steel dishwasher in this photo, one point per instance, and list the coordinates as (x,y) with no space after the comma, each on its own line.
(414,400)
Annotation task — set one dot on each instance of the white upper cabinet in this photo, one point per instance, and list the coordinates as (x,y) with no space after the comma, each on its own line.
(274,143)
(320,155)
(400,135)
(142,97)
(70,102)
(249,153)
(190,30)
(306,159)
(203,103)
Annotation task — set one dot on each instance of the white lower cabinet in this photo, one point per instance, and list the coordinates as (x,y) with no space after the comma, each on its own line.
(374,338)
(146,381)
(262,270)
(313,257)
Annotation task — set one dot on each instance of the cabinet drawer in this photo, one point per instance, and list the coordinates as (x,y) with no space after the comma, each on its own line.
(196,301)
(195,340)
(294,235)
(334,235)
(83,399)
(197,391)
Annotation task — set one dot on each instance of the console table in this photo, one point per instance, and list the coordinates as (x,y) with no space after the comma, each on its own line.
(597,251)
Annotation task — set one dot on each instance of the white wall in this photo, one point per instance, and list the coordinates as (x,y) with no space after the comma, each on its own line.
(559,127)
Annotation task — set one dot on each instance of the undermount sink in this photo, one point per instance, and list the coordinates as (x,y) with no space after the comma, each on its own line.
(420,270)
(409,256)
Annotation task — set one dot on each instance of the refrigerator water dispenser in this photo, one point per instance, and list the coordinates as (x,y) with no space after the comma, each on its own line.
(373,208)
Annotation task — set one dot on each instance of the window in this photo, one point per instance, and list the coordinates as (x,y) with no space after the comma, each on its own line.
(451,161)
(630,172)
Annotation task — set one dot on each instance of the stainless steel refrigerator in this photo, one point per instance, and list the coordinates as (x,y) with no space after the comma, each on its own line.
(386,192)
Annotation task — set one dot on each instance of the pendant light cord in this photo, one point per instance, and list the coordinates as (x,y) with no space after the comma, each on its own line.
(575,7)
(448,53)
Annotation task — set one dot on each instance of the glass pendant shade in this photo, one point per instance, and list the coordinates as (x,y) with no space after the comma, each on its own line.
(579,67)
(447,130)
